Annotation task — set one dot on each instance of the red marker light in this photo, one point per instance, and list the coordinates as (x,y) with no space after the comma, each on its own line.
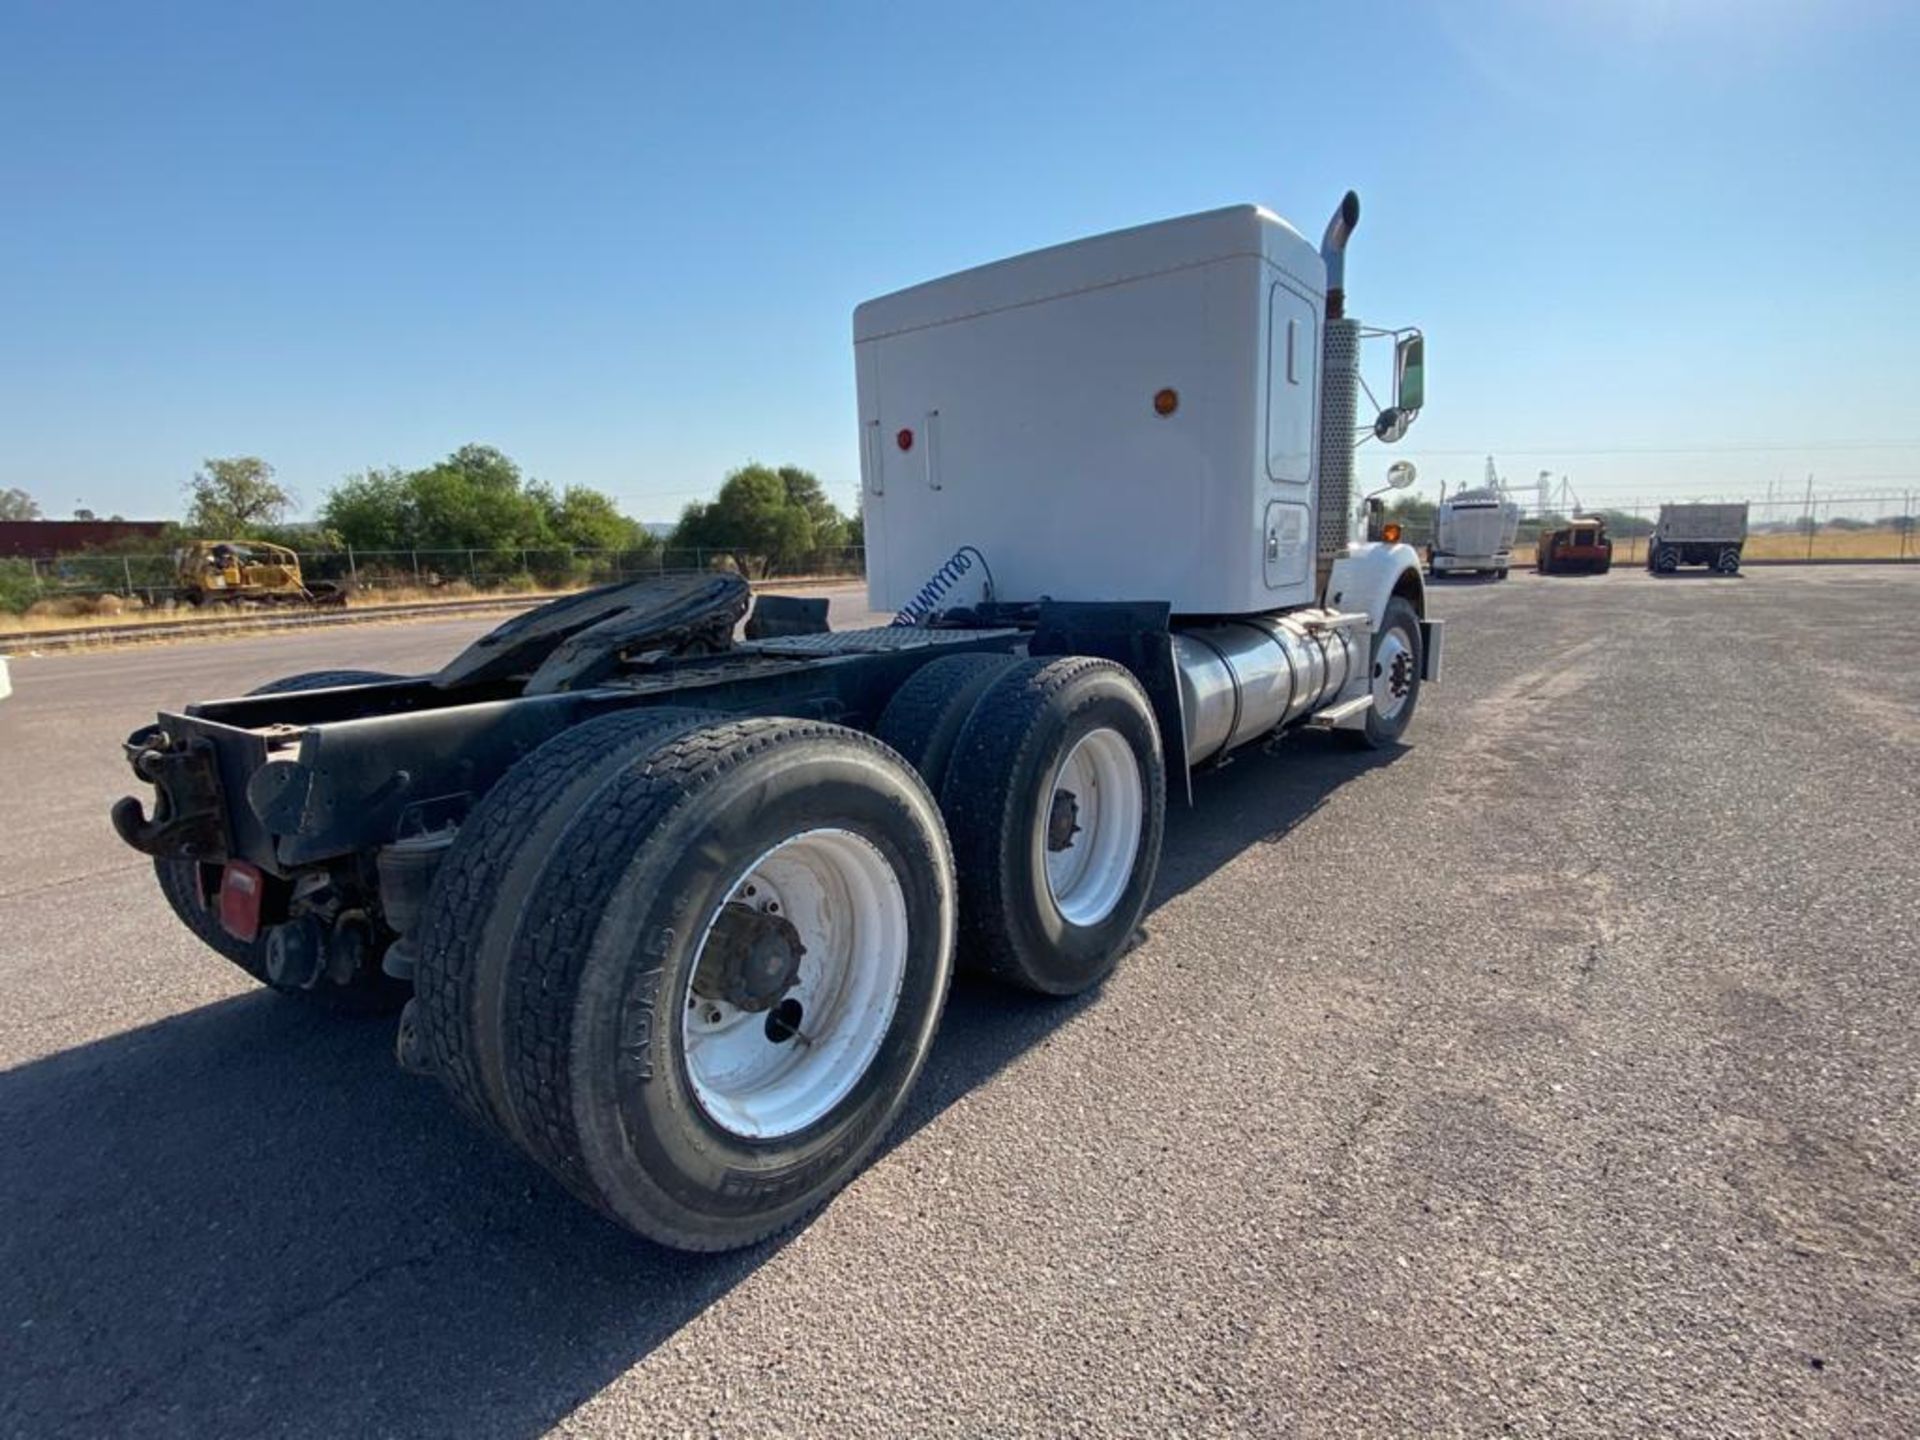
(904,439)
(241,890)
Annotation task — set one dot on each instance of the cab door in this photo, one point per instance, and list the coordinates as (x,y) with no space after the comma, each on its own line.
(1293,407)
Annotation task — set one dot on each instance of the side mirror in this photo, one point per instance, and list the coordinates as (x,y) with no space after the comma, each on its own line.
(1410,371)
(1409,387)
(1400,474)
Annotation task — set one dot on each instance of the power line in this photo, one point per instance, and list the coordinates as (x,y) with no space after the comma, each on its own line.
(1738,449)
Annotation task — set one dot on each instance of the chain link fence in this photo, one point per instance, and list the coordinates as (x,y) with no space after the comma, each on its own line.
(1866,527)
(1873,527)
(398,574)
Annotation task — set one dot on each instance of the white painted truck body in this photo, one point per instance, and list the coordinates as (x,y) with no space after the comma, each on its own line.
(1723,524)
(1475,530)
(1012,408)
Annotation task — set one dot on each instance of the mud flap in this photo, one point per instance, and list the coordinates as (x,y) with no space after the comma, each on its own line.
(1432,643)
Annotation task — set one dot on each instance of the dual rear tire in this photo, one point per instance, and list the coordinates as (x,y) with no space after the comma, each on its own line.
(1056,801)
(692,967)
(1052,781)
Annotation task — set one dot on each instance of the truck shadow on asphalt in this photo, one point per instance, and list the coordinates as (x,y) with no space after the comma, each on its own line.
(1255,799)
(246,1218)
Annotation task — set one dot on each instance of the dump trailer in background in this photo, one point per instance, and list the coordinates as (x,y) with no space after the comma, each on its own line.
(1710,535)
(675,913)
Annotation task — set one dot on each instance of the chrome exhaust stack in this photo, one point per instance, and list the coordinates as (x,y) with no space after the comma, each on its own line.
(1333,251)
(1339,395)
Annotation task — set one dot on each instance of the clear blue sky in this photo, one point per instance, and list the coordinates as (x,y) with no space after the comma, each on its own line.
(622,242)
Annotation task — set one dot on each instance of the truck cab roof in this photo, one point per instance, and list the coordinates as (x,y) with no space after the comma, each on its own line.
(1096,262)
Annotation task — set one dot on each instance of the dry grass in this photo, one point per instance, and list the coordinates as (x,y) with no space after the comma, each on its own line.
(112,612)
(1830,545)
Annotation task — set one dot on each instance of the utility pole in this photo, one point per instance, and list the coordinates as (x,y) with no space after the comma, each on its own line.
(1808,522)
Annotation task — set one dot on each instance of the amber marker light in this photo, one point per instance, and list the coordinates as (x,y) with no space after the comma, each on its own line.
(1166,401)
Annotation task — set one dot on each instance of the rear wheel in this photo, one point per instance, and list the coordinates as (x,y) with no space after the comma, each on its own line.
(1727,562)
(478,903)
(1056,798)
(924,718)
(1666,560)
(192,890)
(722,979)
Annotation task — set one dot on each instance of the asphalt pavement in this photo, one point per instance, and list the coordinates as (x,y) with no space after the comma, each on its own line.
(1553,1074)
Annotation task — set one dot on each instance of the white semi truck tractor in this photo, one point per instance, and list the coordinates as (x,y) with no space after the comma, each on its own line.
(674,912)
(1474,531)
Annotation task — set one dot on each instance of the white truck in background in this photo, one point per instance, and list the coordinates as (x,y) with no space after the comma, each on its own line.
(1710,535)
(1474,531)
(675,913)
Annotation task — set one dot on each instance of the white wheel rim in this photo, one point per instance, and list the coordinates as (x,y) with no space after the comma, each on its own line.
(846,902)
(1098,788)
(1393,658)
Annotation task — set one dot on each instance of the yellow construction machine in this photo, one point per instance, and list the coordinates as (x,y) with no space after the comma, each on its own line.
(227,572)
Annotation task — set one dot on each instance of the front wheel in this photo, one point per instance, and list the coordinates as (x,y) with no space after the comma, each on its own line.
(1728,561)
(1397,662)
(1667,561)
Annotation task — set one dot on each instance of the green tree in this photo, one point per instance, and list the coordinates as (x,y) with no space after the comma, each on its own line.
(753,518)
(372,510)
(805,490)
(475,499)
(1624,524)
(19,586)
(18,505)
(231,498)
(485,467)
(590,520)
(455,509)
(1414,512)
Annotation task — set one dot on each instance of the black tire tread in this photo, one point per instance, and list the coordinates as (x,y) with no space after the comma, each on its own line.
(1375,736)
(569,908)
(924,718)
(507,843)
(322,680)
(998,734)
